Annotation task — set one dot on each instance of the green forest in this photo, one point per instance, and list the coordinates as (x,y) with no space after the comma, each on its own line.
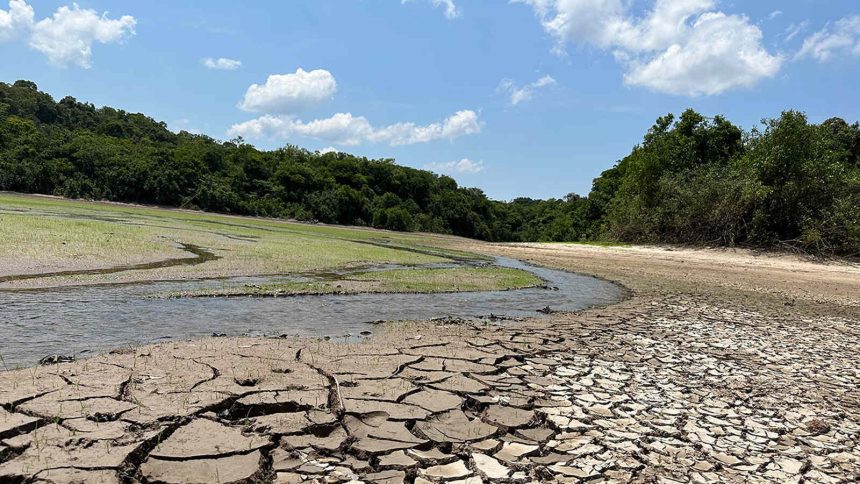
(789,184)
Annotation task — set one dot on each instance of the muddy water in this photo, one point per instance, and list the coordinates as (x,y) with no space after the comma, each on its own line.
(89,320)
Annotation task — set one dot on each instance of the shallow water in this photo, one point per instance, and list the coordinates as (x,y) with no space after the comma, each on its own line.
(89,320)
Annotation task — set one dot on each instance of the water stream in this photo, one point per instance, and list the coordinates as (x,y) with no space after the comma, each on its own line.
(92,319)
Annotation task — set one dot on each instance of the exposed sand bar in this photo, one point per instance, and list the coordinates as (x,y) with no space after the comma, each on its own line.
(723,366)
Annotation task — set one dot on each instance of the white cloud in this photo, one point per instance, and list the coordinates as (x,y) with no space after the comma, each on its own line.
(775,14)
(329,149)
(183,124)
(577,20)
(722,53)
(66,38)
(794,30)
(346,129)
(221,63)
(290,93)
(842,38)
(464,166)
(459,124)
(18,18)
(342,128)
(673,48)
(524,93)
(450,9)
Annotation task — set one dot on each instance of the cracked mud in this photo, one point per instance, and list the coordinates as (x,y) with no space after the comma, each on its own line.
(669,386)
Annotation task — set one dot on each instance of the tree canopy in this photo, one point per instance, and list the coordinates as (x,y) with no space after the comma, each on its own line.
(693,179)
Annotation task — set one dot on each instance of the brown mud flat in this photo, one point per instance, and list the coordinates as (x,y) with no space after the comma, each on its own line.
(723,366)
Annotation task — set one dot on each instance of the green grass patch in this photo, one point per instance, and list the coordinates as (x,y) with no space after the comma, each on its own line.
(43,234)
(460,279)
(47,240)
(398,280)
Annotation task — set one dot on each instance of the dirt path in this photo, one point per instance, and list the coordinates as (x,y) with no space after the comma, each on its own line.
(724,366)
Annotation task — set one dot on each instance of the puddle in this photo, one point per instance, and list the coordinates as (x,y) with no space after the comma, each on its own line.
(92,319)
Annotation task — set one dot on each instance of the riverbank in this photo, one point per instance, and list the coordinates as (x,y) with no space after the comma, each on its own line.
(83,321)
(724,365)
(48,242)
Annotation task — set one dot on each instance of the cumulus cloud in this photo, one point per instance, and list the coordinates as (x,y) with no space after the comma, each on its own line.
(329,149)
(723,52)
(290,93)
(681,47)
(18,19)
(841,38)
(448,6)
(464,166)
(66,37)
(524,93)
(459,124)
(346,129)
(221,63)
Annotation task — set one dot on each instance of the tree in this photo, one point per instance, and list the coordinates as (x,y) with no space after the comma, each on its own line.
(693,179)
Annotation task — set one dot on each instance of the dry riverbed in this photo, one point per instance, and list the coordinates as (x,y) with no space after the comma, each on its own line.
(722,366)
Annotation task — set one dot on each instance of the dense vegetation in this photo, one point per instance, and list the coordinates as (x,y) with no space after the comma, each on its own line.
(692,180)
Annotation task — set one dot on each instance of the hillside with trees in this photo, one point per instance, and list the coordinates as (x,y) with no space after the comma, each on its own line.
(693,180)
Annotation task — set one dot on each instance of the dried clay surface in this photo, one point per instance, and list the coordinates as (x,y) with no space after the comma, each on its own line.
(701,376)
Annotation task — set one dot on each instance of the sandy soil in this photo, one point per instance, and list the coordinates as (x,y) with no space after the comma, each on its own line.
(727,271)
(724,366)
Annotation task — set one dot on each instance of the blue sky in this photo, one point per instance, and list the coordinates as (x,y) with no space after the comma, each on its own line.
(525,98)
